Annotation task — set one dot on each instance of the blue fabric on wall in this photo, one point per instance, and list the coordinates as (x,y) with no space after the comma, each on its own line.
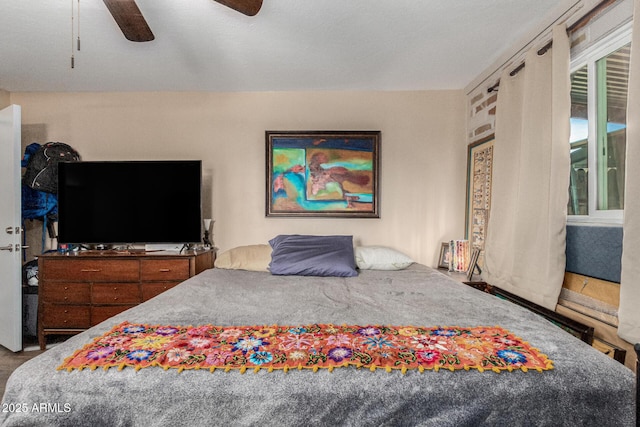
(594,251)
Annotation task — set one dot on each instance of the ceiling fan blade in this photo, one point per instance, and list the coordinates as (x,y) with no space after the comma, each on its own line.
(247,7)
(130,20)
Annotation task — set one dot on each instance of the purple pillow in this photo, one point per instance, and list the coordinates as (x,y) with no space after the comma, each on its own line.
(295,254)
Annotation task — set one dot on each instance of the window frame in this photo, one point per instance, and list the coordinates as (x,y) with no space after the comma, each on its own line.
(589,58)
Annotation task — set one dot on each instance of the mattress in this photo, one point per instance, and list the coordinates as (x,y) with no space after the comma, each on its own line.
(585,387)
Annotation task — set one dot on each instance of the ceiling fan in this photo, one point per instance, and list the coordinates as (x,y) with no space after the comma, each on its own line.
(135,28)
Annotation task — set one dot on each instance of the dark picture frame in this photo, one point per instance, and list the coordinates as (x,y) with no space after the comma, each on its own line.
(473,264)
(322,174)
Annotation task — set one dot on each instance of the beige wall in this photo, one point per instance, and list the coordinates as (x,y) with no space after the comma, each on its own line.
(423,153)
(5,99)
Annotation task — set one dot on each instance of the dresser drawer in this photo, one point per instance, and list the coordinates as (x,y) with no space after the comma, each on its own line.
(66,316)
(91,270)
(102,313)
(68,293)
(115,293)
(80,290)
(164,269)
(150,290)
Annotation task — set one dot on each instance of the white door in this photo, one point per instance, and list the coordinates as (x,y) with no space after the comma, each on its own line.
(10,230)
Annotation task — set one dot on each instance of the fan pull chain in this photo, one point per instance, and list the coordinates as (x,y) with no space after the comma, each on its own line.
(72,58)
(78,25)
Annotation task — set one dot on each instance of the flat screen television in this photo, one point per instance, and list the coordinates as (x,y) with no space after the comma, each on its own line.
(129,202)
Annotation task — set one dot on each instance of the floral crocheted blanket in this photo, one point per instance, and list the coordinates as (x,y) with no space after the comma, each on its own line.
(312,346)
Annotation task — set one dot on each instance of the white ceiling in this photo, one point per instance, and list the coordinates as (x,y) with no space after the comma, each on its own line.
(290,45)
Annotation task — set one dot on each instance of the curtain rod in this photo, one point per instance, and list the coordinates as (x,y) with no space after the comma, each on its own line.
(580,23)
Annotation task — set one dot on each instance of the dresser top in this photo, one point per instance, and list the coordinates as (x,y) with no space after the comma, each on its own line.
(112,253)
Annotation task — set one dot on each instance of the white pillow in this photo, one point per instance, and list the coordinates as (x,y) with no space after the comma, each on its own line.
(380,258)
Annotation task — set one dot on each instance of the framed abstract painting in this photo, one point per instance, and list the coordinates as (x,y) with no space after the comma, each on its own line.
(323,173)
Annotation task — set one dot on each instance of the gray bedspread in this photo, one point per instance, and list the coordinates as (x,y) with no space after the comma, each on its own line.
(585,388)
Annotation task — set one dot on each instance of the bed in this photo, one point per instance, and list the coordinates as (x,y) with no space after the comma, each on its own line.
(584,387)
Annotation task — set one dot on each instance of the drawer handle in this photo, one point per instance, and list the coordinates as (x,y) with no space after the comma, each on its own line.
(165,270)
(90,270)
(115,298)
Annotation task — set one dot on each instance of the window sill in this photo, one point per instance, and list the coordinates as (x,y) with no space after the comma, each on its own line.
(594,221)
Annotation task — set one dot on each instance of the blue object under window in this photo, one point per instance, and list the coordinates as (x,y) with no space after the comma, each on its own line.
(594,251)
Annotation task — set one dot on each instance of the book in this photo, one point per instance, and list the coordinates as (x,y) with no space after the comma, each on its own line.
(459,255)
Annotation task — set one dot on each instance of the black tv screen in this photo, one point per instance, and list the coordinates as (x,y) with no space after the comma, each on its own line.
(129,202)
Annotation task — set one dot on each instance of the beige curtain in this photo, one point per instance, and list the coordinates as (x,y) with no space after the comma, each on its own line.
(629,311)
(525,246)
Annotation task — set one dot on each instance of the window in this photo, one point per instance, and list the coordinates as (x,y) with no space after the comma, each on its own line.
(599,83)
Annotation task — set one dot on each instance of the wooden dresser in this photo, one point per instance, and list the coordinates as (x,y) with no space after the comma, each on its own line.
(79,290)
